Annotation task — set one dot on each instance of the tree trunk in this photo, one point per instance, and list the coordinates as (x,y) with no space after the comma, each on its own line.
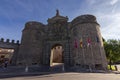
(110,64)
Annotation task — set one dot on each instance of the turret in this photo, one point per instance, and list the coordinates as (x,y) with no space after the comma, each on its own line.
(87,42)
(31,43)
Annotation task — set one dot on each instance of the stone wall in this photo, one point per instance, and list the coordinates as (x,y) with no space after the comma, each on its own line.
(10,45)
(31,44)
(81,40)
(87,42)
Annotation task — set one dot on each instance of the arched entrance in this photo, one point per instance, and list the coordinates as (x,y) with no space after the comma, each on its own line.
(56,57)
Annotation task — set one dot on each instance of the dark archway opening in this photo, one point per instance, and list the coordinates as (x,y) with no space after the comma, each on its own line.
(56,58)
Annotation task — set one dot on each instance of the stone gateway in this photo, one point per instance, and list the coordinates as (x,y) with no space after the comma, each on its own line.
(76,44)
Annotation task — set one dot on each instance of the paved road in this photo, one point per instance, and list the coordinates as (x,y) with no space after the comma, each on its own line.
(12,74)
(69,76)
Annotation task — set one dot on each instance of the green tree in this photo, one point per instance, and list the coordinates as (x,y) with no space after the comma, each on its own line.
(112,49)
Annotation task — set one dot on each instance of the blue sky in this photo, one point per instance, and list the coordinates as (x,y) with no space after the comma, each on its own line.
(15,13)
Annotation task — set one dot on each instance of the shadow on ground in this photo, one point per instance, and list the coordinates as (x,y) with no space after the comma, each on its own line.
(13,71)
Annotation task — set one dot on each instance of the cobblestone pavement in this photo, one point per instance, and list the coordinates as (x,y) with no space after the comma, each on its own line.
(69,76)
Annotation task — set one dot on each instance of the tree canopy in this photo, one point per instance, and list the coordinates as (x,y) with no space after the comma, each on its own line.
(112,49)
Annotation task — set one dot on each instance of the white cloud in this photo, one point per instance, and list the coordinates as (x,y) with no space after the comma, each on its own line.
(91,2)
(114,9)
(113,2)
(110,30)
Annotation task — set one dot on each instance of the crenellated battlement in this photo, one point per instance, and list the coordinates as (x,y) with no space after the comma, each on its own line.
(2,40)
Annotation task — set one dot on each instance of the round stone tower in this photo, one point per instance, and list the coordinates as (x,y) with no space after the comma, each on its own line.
(87,45)
(30,51)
